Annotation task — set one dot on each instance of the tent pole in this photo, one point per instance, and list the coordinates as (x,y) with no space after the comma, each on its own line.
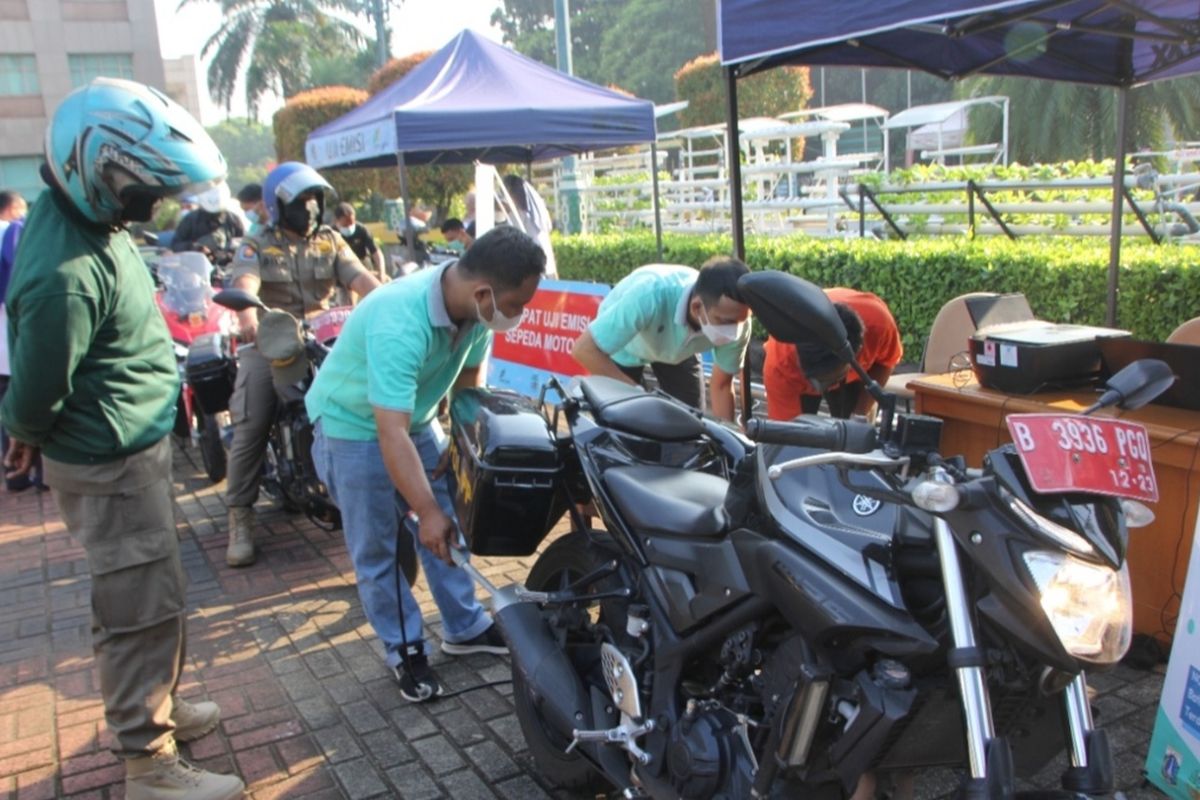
(1118,204)
(654,198)
(735,207)
(409,240)
(734,156)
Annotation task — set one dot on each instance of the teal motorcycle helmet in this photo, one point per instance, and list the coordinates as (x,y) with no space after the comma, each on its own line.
(116,147)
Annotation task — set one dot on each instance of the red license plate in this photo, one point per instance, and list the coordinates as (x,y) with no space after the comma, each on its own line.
(1069,453)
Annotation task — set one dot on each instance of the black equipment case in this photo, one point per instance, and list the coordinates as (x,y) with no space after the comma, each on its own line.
(211,371)
(507,472)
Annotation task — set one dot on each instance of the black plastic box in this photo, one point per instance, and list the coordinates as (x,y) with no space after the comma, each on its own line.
(507,472)
(211,371)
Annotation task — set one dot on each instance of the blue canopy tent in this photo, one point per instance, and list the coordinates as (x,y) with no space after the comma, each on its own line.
(1118,43)
(475,100)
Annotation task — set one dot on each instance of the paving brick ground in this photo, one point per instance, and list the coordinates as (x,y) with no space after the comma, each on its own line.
(308,709)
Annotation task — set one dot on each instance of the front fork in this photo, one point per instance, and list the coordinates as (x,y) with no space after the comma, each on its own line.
(1091,770)
(989,757)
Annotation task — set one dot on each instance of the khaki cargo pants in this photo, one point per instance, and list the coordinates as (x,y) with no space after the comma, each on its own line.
(252,408)
(121,513)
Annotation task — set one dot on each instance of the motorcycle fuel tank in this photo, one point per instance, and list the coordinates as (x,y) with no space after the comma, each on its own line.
(849,530)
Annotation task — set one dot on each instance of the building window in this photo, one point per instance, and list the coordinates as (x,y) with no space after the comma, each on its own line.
(18,76)
(20,173)
(86,66)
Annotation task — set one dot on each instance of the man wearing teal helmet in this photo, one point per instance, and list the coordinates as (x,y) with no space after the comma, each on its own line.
(94,386)
(297,265)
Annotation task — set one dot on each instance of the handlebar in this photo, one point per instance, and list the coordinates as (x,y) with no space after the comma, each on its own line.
(842,435)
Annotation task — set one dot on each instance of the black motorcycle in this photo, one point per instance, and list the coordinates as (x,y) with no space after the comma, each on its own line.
(289,476)
(837,604)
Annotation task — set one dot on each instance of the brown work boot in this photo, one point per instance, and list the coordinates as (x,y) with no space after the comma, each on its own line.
(193,720)
(166,776)
(240,552)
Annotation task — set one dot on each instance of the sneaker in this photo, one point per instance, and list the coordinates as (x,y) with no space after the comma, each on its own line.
(490,641)
(417,682)
(166,776)
(194,720)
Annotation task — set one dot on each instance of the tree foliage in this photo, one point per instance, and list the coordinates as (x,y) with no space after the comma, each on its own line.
(394,70)
(528,25)
(636,44)
(342,69)
(1056,121)
(647,42)
(248,147)
(436,185)
(273,43)
(306,112)
(702,83)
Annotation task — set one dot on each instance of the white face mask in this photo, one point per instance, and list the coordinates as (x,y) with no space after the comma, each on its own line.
(499,323)
(347,231)
(213,200)
(718,334)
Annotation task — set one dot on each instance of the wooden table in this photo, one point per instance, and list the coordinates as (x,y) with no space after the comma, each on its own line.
(1158,554)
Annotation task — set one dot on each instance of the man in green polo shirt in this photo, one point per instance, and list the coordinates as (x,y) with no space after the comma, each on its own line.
(380,450)
(664,316)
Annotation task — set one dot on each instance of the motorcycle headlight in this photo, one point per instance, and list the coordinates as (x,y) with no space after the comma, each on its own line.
(1089,605)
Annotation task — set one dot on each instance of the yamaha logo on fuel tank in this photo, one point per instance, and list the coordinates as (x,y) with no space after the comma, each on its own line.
(865,506)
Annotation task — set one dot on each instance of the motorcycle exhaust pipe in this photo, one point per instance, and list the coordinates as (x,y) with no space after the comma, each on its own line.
(545,669)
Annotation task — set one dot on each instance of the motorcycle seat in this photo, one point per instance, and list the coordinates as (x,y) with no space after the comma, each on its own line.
(630,409)
(668,500)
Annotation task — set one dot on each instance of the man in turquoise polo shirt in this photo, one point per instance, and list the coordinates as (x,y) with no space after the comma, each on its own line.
(664,315)
(380,450)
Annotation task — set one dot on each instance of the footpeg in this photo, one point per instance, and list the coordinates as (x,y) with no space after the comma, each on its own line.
(624,735)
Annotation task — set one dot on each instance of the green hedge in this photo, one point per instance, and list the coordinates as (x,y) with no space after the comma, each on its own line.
(1064,279)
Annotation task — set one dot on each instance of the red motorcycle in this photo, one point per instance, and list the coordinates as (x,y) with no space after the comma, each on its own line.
(202,331)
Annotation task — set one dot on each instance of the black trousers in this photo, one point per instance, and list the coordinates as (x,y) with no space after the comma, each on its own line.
(841,399)
(682,381)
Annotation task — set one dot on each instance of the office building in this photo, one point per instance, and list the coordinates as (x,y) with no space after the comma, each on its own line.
(49,47)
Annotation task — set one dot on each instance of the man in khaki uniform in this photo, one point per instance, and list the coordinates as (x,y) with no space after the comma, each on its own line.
(296,265)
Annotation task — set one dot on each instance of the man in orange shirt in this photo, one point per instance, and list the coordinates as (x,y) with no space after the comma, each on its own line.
(796,377)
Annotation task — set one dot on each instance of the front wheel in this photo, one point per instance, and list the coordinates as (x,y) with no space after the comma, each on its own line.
(563,562)
(273,480)
(212,449)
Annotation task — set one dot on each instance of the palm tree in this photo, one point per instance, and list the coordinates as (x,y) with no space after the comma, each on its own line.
(273,41)
(1056,121)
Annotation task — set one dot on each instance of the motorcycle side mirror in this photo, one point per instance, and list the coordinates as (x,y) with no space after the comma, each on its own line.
(1135,385)
(238,300)
(795,311)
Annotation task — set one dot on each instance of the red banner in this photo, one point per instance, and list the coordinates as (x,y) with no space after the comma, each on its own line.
(552,322)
